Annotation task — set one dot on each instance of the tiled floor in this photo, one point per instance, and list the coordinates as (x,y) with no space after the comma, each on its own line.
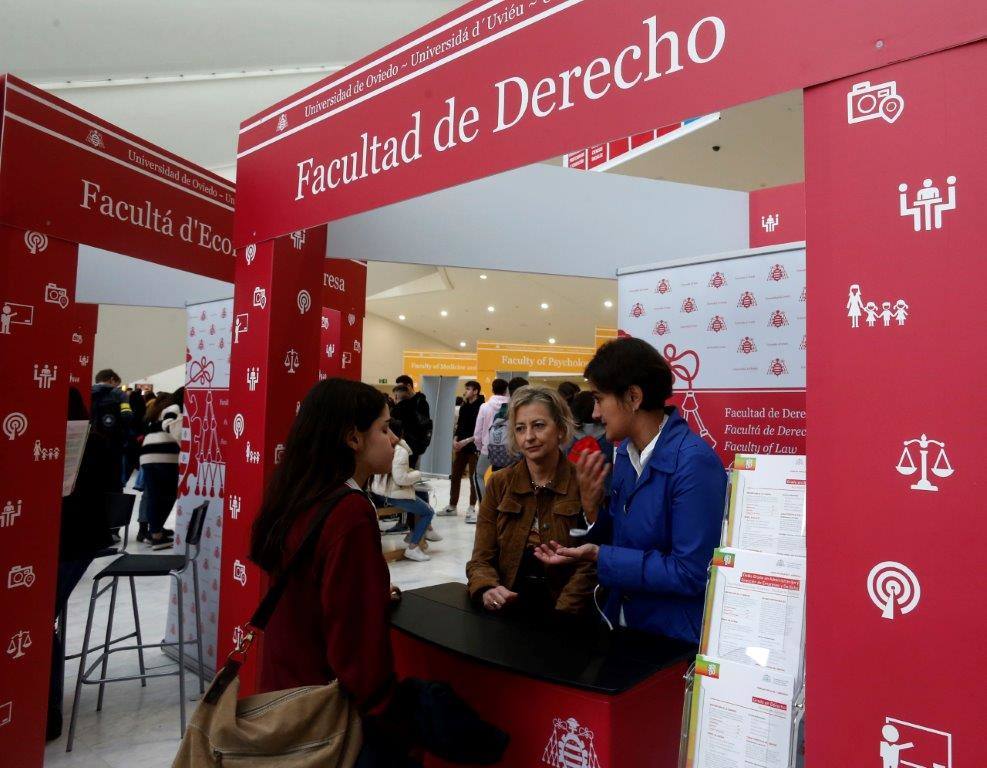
(140,726)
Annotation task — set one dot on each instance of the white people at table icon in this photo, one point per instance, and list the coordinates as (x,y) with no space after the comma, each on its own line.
(890,748)
(886,312)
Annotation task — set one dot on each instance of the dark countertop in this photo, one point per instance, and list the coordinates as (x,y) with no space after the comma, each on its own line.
(581,654)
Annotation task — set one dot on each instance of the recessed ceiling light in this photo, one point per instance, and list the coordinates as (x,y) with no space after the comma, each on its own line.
(402,317)
(551,340)
(608,304)
(483,277)
(491,308)
(462,343)
(544,305)
(444,313)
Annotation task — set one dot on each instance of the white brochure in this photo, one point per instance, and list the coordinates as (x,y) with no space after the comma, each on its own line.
(741,717)
(755,610)
(767,505)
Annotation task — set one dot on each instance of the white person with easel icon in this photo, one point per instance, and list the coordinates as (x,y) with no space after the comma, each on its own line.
(890,748)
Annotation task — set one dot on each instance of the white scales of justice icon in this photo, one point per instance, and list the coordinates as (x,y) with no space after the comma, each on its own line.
(940,466)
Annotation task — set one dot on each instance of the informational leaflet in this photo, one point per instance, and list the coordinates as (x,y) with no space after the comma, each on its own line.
(76,434)
(741,717)
(767,505)
(755,609)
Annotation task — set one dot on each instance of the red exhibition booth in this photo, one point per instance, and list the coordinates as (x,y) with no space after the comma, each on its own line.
(493,86)
(69,179)
(496,85)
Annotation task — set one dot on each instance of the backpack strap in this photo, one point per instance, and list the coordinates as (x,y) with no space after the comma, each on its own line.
(258,622)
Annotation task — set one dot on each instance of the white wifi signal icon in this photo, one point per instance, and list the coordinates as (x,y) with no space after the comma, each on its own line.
(238,425)
(304,301)
(893,588)
(14,425)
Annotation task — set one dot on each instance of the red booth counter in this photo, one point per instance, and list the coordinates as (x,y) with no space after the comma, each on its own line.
(570,695)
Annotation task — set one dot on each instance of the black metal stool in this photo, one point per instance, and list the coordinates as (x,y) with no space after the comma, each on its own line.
(119,513)
(141,566)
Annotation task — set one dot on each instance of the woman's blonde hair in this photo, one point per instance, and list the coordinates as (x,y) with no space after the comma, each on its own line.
(557,407)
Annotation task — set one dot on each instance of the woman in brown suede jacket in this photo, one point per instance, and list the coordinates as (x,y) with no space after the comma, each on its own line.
(534,501)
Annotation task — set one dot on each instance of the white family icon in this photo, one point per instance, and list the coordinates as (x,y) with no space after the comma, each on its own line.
(928,206)
(45,454)
(253,378)
(856,308)
(297,238)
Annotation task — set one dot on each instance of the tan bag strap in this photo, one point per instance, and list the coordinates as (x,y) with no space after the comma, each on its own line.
(258,622)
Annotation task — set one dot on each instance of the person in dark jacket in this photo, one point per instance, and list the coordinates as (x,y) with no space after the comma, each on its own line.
(411,409)
(466,453)
(84,532)
(110,410)
(657,528)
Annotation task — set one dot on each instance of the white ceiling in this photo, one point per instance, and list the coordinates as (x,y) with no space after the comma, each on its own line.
(575,305)
(184,73)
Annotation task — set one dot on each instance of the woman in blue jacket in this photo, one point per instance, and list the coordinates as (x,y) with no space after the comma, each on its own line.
(661,520)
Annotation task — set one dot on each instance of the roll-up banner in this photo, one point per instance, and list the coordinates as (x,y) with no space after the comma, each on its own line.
(206,431)
(732,328)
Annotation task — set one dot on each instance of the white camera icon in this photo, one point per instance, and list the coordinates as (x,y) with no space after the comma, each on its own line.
(868,102)
(21,576)
(55,294)
(240,573)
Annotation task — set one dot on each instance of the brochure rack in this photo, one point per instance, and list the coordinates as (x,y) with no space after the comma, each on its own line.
(746,690)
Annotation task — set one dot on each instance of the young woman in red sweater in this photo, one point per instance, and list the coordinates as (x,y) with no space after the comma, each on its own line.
(332,622)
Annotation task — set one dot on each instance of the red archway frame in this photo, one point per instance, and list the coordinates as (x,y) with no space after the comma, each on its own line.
(68,178)
(442,106)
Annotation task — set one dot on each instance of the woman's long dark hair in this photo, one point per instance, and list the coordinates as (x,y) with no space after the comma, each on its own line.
(316,461)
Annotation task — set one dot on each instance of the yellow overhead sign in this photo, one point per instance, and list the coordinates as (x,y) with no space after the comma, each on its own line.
(418,363)
(541,358)
(603,335)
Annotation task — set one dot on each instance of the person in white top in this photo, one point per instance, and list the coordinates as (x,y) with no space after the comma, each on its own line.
(483,421)
(397,489)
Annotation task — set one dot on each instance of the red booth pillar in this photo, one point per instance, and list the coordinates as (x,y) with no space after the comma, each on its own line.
(37,287)
(344,305)
(274,363)
(895,189)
